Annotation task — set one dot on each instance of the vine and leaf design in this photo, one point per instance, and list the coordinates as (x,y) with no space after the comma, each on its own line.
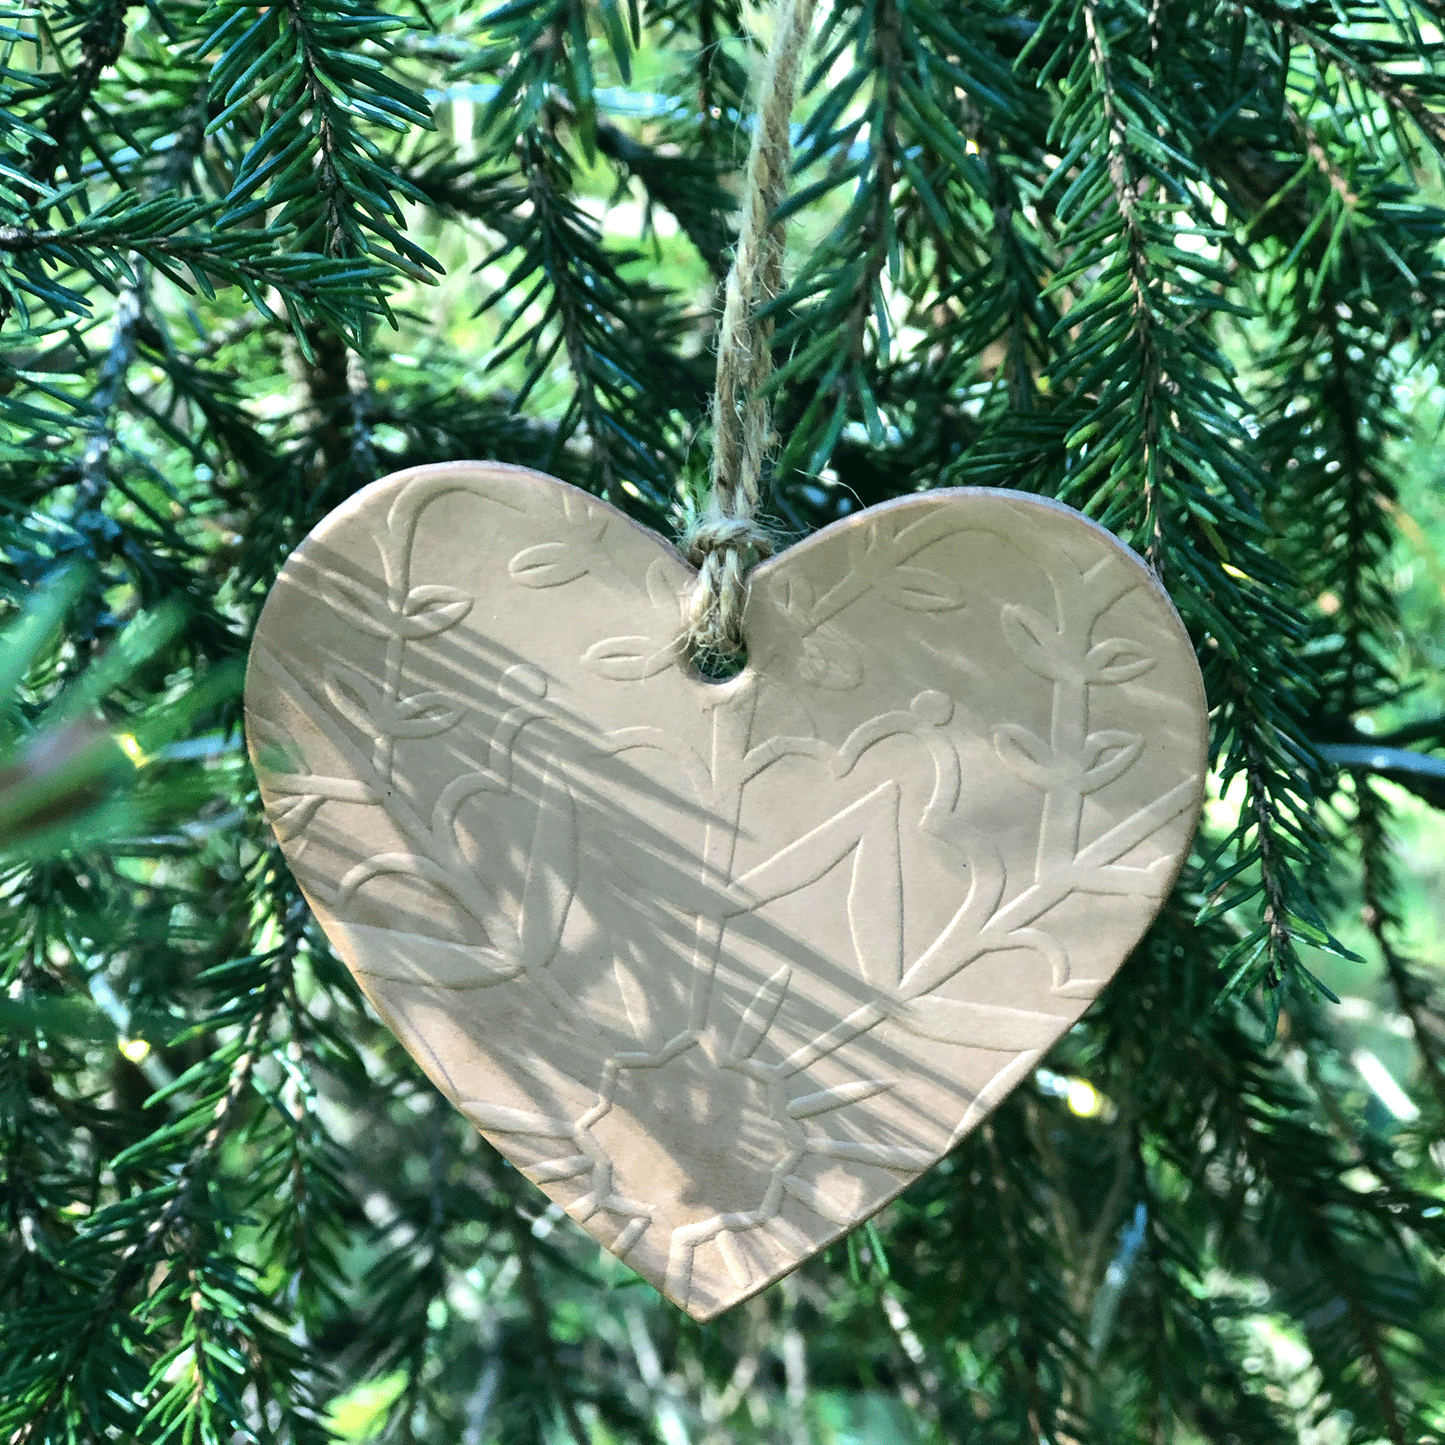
(365,720)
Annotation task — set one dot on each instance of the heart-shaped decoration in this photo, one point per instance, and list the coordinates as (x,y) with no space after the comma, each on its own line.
(722,967)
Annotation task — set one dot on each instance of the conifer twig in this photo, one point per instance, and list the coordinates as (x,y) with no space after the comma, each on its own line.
(1381,921)
(1027,1349)
(1126,186)
(1387,86)
(134,1259)
(537,1306)
(101,41)
(1321,1235)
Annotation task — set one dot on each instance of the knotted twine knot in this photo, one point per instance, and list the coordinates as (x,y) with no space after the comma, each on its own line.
(722,548)
(724,539)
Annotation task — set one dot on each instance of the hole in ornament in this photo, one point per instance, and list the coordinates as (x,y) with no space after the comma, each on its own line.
(712,666)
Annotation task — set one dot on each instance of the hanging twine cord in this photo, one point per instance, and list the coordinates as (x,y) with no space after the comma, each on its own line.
(725,538)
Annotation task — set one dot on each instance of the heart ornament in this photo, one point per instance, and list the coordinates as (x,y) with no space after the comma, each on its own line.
(723,966)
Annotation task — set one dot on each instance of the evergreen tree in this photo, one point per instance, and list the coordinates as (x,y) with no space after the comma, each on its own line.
(1176,264)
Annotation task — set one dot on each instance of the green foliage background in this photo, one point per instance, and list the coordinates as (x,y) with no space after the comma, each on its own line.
(1176,263)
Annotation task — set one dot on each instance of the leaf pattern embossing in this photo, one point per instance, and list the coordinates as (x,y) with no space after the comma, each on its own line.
(356,698)
(547,564)
(722,967)
(921,589)
(628,659)
(429,610)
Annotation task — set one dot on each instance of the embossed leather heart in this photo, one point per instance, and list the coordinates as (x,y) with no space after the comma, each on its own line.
(722,967)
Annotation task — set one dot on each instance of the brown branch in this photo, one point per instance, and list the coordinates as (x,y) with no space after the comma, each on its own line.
(921,1390)
(26,238)
(1321,157)
(706,41)
(1342,402)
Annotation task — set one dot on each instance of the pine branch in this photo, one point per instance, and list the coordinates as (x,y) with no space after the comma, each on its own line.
(1416,997)
(683,185)
(312,164)
(836,303)
(161,232)
(100,37)
(688,191)
(1319,1236)
(1279,835)
(541,1323)
(1351,55)
(1135,342)
(609,329)
(546,50)
(1173,264)
(1035,1414)
(1127,187)
(141,1254)
(571,313)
